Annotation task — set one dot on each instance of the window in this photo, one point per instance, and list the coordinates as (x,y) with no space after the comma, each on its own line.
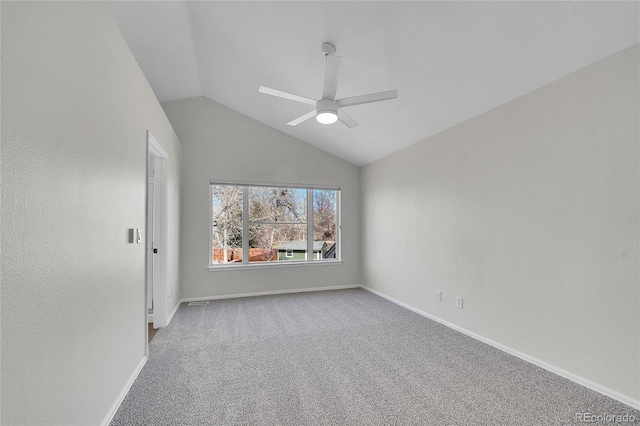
(253,224)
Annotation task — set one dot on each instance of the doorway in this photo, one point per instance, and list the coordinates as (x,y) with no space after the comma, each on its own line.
(156,292)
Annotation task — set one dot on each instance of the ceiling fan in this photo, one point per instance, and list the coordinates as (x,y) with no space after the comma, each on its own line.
(328,110)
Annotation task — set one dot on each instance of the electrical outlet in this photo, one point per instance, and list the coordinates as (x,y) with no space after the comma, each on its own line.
(325,271)
(459,302)
(439,296)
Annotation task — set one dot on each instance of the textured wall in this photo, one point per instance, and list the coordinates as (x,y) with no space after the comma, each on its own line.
(530,212)
(220,143)
(75,113)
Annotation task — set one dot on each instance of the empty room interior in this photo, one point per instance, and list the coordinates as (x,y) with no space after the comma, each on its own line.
(317,213)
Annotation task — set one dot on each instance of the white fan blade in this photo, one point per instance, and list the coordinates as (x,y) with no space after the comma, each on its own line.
(347,120)
(302,118)
(365,99)
(285,95)
(331,68)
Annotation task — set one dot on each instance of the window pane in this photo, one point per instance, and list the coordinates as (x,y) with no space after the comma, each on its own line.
(226,224)
(325,222)
(277,205)
(278,224)
(275,243)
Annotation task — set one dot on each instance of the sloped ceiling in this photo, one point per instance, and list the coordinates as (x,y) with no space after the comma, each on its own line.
(450,61)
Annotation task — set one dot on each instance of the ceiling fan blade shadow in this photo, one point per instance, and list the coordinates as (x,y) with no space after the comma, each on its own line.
(285,95)
(365,99)
(347,120)
(302,118)
(331,69)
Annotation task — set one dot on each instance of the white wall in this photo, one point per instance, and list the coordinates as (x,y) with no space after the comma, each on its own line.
(530,212)
(75,112)
(220,143)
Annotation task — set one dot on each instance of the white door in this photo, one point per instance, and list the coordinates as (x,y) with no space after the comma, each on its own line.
(150,247)
(157,291)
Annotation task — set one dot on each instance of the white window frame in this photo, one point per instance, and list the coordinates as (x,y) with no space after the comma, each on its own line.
(309,260)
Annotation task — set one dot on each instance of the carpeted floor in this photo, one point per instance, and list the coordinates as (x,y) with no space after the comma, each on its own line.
(344,357)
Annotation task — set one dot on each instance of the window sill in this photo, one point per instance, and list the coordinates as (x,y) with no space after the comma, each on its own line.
(286,264)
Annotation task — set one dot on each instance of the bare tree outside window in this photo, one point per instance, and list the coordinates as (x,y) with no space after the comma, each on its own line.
(227,223)
(278,222)
(276,216)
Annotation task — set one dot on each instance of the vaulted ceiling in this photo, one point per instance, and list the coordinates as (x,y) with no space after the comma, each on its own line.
(450,61)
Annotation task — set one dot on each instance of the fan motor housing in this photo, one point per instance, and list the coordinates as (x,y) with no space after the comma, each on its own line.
(327,105)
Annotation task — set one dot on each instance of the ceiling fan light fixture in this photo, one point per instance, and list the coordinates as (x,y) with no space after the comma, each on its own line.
(326,117)
(327,111)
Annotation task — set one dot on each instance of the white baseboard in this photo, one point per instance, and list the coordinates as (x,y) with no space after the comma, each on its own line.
(542,364)
(267,293)
(116,404)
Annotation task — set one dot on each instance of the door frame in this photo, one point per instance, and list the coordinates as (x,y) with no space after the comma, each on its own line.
(155,151)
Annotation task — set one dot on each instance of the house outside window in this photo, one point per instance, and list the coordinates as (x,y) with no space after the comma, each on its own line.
(262,224)
(297,250)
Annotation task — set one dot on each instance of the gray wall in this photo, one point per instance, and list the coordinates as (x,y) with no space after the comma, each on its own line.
(75,112)
(222,144)
(530,212)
